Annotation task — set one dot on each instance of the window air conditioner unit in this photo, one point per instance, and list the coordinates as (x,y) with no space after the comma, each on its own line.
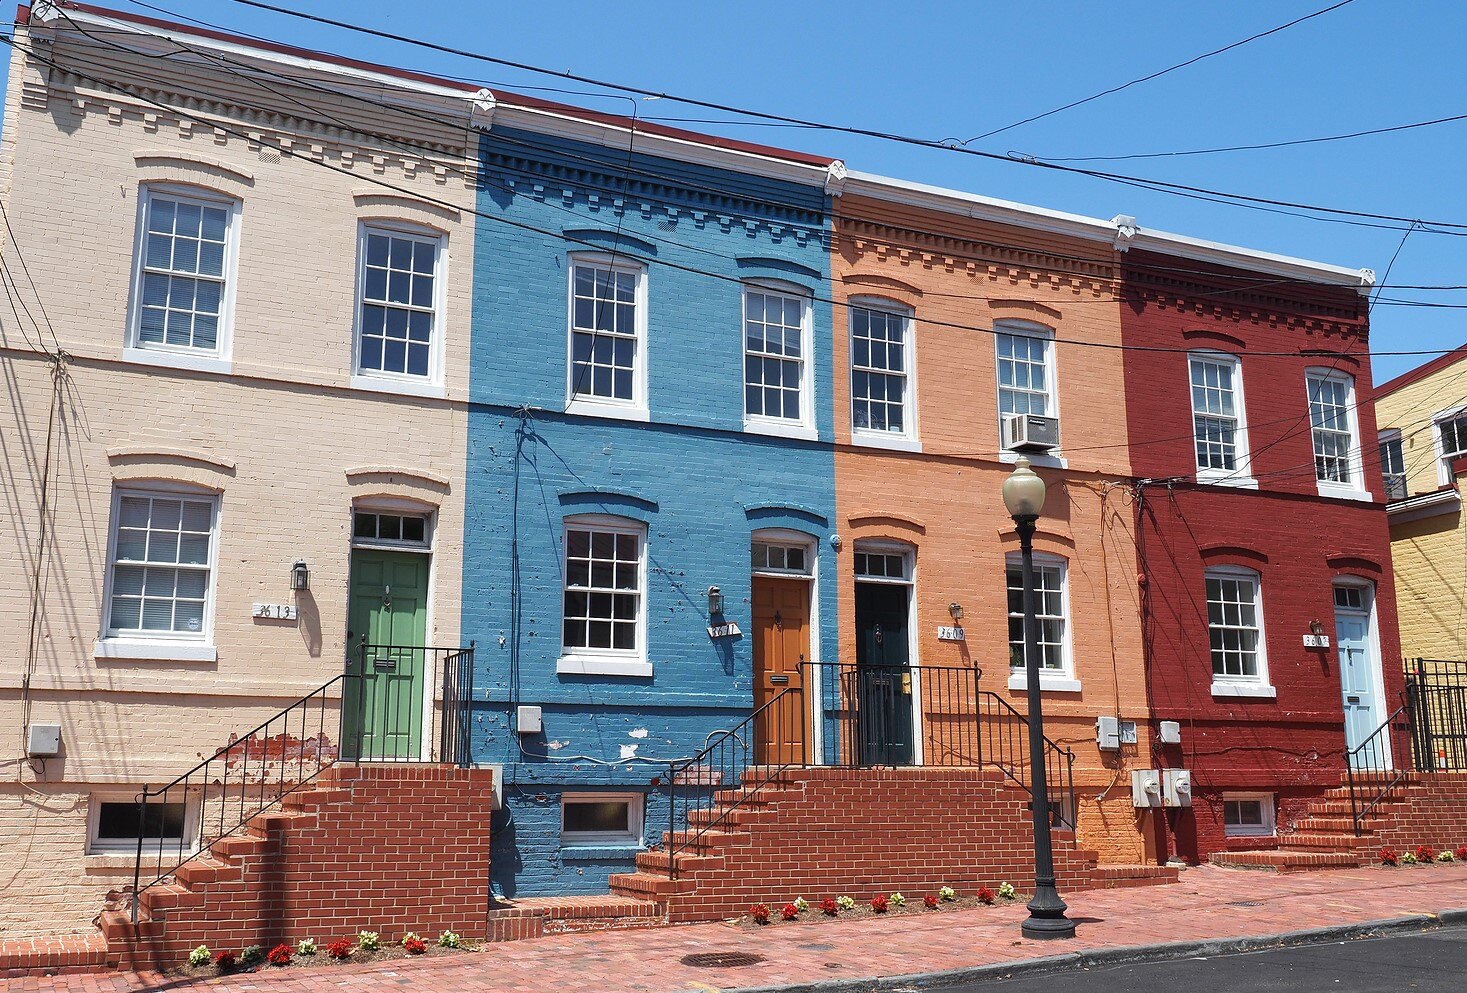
(1030,433)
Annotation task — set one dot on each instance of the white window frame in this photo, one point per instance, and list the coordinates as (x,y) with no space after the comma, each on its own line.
(766,538)
(216,359)
(128,846)
(1355,489)
(160,645)
(908,439)
(1267,803)
(430,384)
(1443,459)
(1060,680)
(802,427)
(632,838)
(606,661)
(1038,332)
(1242,472)
(635,409)
(1240,686)
(394,544)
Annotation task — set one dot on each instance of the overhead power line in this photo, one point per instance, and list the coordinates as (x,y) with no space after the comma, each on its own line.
(1156,75)
(1338,214)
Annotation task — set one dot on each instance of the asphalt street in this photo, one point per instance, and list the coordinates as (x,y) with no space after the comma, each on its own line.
(1434,960)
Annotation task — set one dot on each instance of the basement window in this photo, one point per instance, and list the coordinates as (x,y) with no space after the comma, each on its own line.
(116,825)
(1248,815)
(592,819)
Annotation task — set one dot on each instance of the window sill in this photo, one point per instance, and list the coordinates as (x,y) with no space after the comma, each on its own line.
(614,411)
(400,387)
(117,859)
(781,429)
(155,651)
(1246,835)
(895,442)
(1226,479)
(1257,690)
(570,851)
(1346,493)
(177,360)
(595,665)
(1042,459)
(1047,684)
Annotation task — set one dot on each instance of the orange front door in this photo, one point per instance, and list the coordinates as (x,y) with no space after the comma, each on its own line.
(781,635)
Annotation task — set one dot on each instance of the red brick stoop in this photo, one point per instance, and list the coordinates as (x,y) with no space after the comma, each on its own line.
(532,917)
(387,848)
(52,955)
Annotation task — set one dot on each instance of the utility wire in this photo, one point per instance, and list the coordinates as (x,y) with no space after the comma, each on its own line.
(1179,189)
(1156,75)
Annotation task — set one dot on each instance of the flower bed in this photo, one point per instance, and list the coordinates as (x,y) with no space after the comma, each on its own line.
(307,953)
(879,905)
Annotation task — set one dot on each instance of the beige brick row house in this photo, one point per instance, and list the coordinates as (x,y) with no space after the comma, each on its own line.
(264,364)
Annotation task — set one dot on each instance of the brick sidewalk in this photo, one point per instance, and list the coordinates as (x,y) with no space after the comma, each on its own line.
(1207,903)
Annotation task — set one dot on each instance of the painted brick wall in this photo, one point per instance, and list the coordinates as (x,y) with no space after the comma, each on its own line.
(399,849)
(835,832)
(690,474)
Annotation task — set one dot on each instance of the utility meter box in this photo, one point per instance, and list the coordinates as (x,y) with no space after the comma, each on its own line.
(43,741)
(1146,787)
(1107,734)
(1170,733)
(1176,788)
(529,720)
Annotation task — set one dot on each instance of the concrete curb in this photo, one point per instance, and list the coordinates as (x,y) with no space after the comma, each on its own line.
(1124,955)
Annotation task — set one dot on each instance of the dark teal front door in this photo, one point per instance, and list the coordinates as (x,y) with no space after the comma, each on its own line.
(882,694)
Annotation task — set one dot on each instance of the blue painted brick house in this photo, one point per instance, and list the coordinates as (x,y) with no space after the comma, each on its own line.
(650,418)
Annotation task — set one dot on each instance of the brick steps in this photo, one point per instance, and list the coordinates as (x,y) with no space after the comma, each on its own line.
(531,917)
(1278,860)
(1110,877)
(52,955)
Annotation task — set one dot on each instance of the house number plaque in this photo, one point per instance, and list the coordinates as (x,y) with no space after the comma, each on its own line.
(275,611)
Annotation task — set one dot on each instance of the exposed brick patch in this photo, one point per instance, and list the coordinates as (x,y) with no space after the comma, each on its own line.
(383,848)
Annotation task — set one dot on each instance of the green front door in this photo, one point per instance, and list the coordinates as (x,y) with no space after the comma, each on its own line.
(383,699)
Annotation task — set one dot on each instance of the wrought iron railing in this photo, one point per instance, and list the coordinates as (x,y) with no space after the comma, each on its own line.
(896,715)
(1005,734)
(1436,691)
(734,766)
(1369,768)
(217,798)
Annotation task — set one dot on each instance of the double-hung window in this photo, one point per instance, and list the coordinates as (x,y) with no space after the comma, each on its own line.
(604,598)
(1235,632)
(1050,615)
(607,368)
(1451,440)
(162,565)
(1332,419)
(1393,464)
(882,353)
(185,261)
(776,360)
(1025,372)
(1219,432)
(398,315)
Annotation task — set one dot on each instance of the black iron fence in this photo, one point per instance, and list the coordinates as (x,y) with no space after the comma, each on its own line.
(352,717)
(1436,693)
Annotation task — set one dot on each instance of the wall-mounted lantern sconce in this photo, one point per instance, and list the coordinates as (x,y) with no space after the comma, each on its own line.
(300,576)
(956,609)
(1316,627)
(715,601)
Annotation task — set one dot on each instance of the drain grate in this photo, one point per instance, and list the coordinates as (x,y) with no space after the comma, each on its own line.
(1245,903)
(721,960)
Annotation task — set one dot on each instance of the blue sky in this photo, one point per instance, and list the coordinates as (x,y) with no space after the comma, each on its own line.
(960,69)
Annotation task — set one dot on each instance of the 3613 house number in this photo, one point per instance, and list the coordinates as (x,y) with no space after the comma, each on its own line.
(275,611)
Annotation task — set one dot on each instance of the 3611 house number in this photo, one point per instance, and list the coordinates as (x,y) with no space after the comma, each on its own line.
(275,611)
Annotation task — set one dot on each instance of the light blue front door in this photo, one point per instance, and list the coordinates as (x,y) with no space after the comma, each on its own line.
(1359,668)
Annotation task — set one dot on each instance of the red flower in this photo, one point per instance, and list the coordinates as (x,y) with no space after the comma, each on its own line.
(1387,857)
(879,903)
(760,913)
(829,907)
(340,948)
(224,961)
(415,946)
(279,955)
(930,900)
(1461,854)
(985,895)
(789,912)
(1425,853)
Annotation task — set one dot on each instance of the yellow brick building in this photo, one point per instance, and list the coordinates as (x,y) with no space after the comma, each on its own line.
(1423,450)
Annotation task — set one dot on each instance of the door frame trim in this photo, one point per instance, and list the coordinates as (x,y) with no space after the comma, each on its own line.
(1372,634)
(909,552)
(789,536)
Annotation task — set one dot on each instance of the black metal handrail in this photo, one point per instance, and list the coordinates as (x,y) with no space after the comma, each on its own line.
(1005,734)
(1368,768)
(179,822)
(739,763)
(1436,692)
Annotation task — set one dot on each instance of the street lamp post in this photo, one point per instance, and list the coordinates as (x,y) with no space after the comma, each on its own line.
(1023,495)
